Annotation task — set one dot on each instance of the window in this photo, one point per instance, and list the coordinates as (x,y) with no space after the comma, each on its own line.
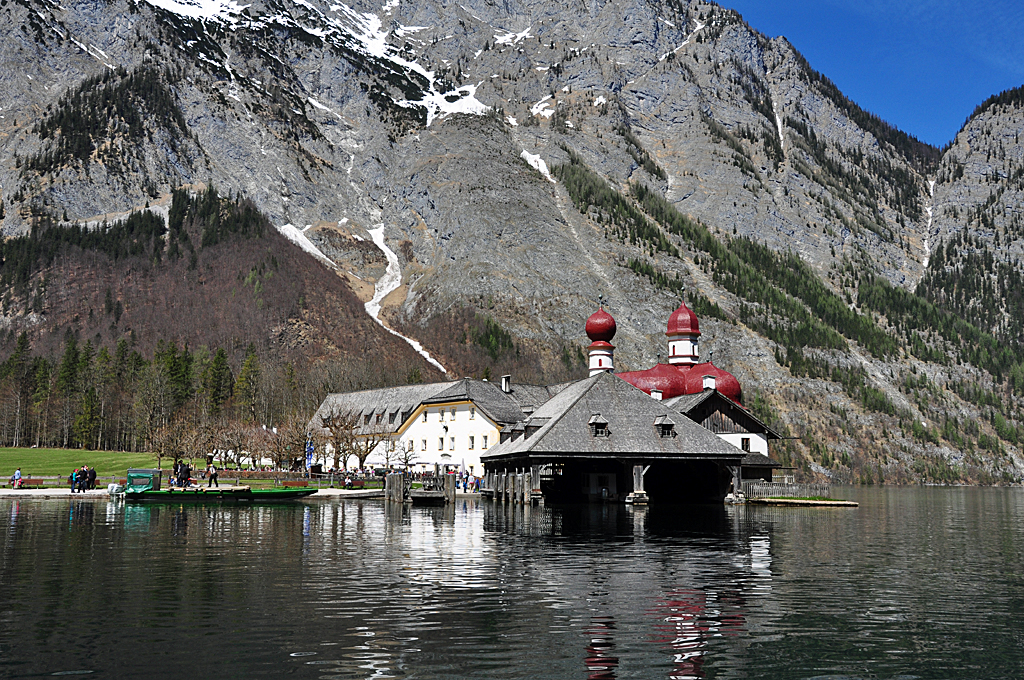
(440,443)
(441,415)
(366,419)
(453,413)
(745,443)
(484,442)
(391,417)
(409,445)
(424,444)
(380,417)
(472,414)
(471,441)
(424,416)
(452,442)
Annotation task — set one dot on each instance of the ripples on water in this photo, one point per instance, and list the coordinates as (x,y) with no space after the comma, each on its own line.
(920,583)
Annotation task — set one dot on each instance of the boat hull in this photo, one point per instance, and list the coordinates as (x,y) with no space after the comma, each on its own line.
(205,495)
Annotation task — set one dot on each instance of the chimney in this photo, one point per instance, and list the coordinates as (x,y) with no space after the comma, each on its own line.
(656,394)
(506,384)
(710,382)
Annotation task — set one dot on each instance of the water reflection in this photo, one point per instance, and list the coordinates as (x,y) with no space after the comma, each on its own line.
(600,662)
(360,590)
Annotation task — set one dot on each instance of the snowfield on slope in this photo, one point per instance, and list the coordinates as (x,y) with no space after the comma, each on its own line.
(347,26)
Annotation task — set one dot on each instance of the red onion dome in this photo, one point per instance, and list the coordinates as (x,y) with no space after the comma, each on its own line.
(670,380)
(601,326)
(725,382)
(683,322)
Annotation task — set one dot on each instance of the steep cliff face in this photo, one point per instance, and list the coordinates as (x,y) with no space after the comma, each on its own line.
(523,157)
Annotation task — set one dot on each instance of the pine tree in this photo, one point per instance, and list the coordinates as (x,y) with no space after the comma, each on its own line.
(248,384)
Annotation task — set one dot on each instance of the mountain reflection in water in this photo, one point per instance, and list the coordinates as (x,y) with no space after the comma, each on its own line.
(329,589)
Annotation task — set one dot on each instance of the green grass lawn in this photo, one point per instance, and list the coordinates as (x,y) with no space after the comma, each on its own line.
(63,461)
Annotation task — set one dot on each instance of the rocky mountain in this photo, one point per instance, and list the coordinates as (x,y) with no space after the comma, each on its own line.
(508,162)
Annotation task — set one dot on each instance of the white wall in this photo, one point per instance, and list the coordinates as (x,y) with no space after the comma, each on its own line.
(467,422)
(758,442)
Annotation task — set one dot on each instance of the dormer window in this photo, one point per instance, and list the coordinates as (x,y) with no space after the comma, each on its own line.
(665,426)
(598,426)
(366,419)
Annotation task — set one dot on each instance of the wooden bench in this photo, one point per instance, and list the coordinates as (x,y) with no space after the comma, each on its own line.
(357,484)
(294,482)
(32,483)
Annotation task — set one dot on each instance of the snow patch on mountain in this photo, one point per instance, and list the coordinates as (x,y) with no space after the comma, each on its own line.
(541,108)
(226,11)
(537,163)
(391,280)
(511,39)
(295,235)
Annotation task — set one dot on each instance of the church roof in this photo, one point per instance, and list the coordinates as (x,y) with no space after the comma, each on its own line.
(683,322)
(669,379)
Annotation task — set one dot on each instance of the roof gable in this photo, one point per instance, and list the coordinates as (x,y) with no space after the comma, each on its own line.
(703,407)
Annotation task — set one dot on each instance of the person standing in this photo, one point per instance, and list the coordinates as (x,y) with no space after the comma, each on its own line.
(83,478)
(91,479)
(73,478)
(211,472)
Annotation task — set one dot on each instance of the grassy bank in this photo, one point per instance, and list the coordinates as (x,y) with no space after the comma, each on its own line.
(63,461)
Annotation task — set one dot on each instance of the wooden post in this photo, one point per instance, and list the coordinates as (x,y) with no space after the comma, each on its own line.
(639,496)
(449,489)
(536,496)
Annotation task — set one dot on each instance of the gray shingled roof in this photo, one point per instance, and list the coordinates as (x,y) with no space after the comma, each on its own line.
(488,397)
(387,400)
(534,396)
(685,402)
(630,414)
(759,460)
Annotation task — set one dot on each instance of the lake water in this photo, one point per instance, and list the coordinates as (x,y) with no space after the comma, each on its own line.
(917,582)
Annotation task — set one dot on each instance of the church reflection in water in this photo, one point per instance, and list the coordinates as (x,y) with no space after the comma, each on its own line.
(601,662)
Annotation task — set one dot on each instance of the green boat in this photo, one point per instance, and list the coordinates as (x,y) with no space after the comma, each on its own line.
(143,486)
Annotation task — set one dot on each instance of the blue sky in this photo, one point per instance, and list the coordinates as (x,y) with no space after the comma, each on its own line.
(922,66)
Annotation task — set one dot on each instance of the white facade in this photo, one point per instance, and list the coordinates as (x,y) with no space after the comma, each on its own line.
(453,434)
(757,442)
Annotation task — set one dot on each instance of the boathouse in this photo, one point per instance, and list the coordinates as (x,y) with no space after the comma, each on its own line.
(604,439)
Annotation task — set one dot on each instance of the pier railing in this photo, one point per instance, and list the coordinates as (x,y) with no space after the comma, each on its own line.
(759,489)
